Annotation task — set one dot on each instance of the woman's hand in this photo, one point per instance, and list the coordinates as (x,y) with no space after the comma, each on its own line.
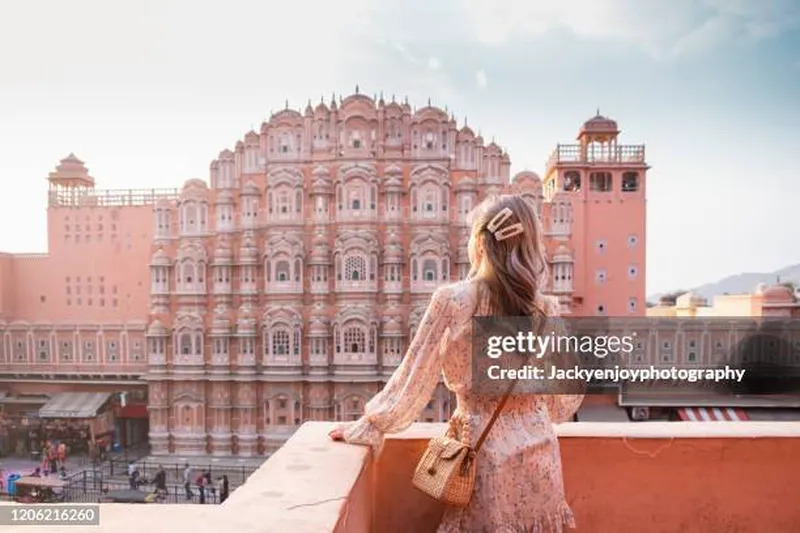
(337,434)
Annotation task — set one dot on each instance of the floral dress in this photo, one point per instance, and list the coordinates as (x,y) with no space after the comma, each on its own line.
(519,486)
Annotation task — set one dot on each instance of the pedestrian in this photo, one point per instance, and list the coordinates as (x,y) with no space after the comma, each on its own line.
(187,481)
(223,488)
(201,482)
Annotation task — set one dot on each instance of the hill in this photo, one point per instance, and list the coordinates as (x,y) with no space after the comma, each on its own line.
(739,283)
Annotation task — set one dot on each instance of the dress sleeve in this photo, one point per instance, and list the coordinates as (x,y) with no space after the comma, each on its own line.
(411,386)
(560,406)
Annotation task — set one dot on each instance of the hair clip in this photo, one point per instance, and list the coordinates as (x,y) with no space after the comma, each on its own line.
(501,234)
(497,221)
(507,232)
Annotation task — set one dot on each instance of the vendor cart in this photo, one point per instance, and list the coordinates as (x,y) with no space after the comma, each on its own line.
(33,489)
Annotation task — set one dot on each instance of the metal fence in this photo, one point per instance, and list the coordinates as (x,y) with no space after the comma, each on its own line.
(117,468)
(91,479)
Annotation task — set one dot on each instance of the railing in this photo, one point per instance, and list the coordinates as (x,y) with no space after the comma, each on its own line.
(237,474)
(658,477)
(695,477)
(616,155)
(111,197)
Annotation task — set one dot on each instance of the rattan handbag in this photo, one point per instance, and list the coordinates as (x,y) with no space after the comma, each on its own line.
(446,471)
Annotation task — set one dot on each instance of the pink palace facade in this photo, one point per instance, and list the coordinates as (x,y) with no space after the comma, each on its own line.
(287,287)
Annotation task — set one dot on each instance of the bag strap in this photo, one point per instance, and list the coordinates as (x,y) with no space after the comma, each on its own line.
(505,396)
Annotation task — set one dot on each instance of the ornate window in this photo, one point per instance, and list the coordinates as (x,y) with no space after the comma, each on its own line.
(282,271)
(280,342)
(429,270)
(354,268)
(354,340)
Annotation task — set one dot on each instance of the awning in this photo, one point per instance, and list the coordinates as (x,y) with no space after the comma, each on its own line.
(74,405)
(712,414)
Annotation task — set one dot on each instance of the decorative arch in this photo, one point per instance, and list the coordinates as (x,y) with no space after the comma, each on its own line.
(285,193)
(430,259)
(430,191)
(188,340)
(193,210)
(355,335)
(283,259)
(190,267)
(356,258)
(282,335)
(356,190)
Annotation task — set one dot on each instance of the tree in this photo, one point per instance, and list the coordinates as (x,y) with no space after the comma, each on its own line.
(671,298)
(791,285)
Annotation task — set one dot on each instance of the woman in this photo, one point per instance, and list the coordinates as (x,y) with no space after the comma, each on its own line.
(519,485)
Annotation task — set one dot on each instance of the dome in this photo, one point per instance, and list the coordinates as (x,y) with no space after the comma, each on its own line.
(778,294)
(221,324)
(321,171)
(223,251)
(319,327)
(393,327)
(600,123)
(250,189)
(195,184)
(393,170)
(321,109)
(526,175)
(562,255)
(225,197)
(159,258)
(156,329)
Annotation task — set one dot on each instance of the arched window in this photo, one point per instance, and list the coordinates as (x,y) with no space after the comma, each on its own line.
(280,342)
(429,270)
(185,343)
(354,340)
(188,272)
(354,268)
(283,203)
(355,196)
(282,271)
(429,203)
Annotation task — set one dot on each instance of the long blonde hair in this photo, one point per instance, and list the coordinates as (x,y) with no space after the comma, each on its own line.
(514,269)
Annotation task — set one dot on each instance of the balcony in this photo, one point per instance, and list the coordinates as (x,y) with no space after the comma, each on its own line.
(687,477)
(624,154)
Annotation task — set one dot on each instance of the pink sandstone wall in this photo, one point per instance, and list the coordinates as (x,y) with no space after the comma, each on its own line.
(6,286)
(679,485)
(96,270)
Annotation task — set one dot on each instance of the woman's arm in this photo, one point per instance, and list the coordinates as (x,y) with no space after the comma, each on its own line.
(411,386)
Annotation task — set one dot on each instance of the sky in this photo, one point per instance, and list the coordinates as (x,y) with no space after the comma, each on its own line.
(147,93)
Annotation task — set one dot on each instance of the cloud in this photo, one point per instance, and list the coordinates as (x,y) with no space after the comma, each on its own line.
(662,29)
(400,65)
(405,54)
(480,78)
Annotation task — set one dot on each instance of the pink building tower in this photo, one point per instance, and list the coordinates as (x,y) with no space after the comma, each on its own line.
(596,190)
